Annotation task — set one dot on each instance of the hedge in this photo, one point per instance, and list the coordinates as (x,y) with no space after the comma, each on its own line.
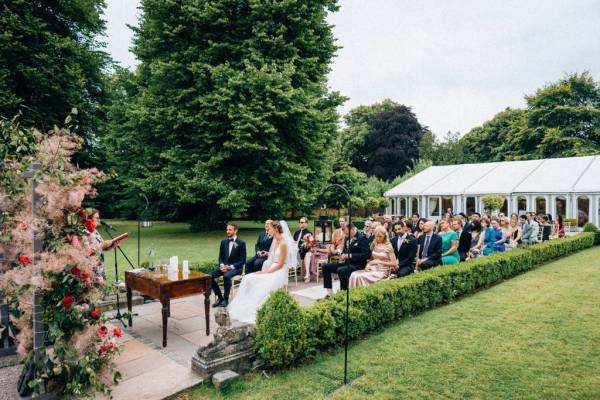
(374,306)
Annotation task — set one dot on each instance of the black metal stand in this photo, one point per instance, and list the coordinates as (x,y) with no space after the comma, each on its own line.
(346,319)
(118,316)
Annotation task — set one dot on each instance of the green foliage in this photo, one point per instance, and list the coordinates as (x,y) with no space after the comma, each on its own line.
(446,151)
(391,146)
(377,305)
(589,227)
(232,113)
(562,119)
(50,62)
(280,330)
(492,201)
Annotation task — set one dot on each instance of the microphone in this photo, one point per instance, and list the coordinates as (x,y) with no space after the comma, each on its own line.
(108,226)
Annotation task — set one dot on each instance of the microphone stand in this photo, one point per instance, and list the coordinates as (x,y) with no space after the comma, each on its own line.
(118,316)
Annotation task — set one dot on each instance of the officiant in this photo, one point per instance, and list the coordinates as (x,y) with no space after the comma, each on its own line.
(261,250)
(232,257)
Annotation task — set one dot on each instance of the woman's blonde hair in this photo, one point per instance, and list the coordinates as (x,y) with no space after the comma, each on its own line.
(380,230)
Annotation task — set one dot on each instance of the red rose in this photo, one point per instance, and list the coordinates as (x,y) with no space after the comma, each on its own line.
(117,331)
(24,260)
(67,301)
(95,314)
(102,331)
(85,275)
(88,284)
(75,271)
(112,345)
(90,225)
(102,350)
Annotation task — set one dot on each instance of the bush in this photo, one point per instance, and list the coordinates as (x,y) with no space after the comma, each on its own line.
(280,330)
(358,222)
(205,266)
(284,339)
(593,229)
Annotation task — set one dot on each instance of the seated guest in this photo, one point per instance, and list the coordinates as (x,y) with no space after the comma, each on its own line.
(381,264)
(313,256)
(499,236)
(546,228)
(232,257)
(489,236)
(449,244)
(420,225)
(464,237)
(415,222)
(476,240)
(368,232)
(530,229)
(430,248)
(299,236)
(261,250)
(514,235)
(337,237)
(559,226)
(354,257)
(405,249)
(475,217)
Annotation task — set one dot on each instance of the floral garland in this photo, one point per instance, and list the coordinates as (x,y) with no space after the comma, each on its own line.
(79,346)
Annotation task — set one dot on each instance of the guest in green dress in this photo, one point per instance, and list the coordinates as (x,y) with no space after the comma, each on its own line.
(449,244)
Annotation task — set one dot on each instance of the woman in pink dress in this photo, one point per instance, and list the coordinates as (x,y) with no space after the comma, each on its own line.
(382,263)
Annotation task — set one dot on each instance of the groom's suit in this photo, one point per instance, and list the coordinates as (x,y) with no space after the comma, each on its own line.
(359,250)
(233,255)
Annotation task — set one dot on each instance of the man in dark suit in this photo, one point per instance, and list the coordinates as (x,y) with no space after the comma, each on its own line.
(232,256)
(299,235)
(430,248)
(354,257)
(405,248)
(261,250)
(415,222)
(464,237)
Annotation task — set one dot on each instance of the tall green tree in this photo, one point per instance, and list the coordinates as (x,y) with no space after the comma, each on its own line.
(51,62)
(392,144)
(233,111)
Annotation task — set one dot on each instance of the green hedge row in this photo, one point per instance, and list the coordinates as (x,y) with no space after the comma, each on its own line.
(287,334)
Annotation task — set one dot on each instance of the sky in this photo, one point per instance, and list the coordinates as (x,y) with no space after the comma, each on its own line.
(456,63)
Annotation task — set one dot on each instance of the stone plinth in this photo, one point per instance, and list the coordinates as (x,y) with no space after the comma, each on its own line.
(231,348)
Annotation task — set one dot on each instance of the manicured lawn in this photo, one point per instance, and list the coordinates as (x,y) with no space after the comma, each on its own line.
(536,336)
(174,239)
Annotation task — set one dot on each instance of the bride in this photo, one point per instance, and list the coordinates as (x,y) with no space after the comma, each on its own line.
(256,288)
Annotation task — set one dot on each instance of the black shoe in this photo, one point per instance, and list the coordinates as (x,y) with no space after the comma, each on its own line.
(218,303)
(223,303)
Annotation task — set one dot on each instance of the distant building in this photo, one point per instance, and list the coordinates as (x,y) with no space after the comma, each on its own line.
(567,186)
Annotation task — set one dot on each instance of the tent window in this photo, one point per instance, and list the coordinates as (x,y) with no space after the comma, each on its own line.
(470,205)
(447,204)
(561,206)
(415,205)
(402,206)
(583,210)
(522,204)
(540,205)
(434,206)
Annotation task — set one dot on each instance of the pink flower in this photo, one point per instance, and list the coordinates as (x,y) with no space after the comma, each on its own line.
(75,241)
(102,331)
(100,280)
(102,350)
(67,301)
(112,345)
(88,284)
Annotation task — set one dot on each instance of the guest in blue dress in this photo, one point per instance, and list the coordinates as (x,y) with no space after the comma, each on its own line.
(499,236)
(489,236)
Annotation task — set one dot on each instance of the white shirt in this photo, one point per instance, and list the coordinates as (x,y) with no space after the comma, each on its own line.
(401,240)
(231,243)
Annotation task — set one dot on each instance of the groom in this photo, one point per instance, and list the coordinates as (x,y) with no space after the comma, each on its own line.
(232,256)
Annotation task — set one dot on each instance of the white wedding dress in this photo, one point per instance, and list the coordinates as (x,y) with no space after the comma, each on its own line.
(255,289)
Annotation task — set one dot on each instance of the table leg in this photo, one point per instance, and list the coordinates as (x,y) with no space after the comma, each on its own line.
(165,318)
(129,304)
(207,289)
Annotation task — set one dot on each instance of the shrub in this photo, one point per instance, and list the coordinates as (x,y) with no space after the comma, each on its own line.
(280,330)
(492,201)
(284,339)
(205,266)
(593,229)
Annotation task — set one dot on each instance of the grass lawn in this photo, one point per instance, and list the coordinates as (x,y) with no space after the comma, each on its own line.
(175,239)
(536,336)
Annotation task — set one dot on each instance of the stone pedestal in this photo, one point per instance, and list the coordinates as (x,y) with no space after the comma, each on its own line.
(231,348)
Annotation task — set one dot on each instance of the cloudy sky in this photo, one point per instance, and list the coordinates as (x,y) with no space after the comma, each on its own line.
(456,63)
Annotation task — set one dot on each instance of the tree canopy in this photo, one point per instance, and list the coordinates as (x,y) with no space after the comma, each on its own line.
(232,113)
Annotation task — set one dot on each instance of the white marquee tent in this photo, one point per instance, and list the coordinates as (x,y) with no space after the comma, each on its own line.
(567,186)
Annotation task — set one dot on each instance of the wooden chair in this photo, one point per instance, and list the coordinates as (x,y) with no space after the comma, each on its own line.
(237,278)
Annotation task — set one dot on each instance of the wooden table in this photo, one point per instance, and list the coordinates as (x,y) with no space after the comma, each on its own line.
(158,286)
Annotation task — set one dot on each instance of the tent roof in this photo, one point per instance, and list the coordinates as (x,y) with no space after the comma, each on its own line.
(552,175)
